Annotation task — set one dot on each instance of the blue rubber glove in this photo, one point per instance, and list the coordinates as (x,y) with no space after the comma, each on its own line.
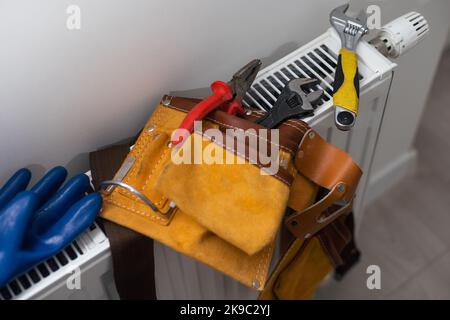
(37,224)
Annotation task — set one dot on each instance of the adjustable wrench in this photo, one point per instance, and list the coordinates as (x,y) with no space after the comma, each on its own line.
(292,102)
(346,82)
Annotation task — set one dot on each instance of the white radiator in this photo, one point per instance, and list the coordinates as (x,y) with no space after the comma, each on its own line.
(179,277)
(89,254)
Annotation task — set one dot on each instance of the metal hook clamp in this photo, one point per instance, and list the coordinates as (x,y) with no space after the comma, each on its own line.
(133,190)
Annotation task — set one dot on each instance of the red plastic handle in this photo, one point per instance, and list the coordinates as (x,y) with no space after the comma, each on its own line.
(234,107)
(221,93)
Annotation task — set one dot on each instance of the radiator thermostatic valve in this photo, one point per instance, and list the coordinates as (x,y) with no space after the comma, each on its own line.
(402,34)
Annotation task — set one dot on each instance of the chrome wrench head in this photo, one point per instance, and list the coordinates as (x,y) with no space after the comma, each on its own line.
(293,101)
(350,29)
(301,85)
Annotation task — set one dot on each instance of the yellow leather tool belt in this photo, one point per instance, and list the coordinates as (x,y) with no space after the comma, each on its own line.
(228,215)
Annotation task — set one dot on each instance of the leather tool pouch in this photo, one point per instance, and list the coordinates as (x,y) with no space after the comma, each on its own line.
(226,216)
(321,230)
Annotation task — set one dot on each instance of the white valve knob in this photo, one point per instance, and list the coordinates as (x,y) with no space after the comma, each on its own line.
(402,34)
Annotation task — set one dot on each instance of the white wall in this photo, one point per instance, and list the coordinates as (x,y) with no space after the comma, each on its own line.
(448,40)
(64,93)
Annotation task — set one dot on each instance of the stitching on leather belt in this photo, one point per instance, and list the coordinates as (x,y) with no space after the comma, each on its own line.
(302,129)
(142,143)
(255,135)
(260,276)
(187,103)
(233,127)
(338,173)
(283,147)
(142,213)
(290,122)
(138,149)
(284,180)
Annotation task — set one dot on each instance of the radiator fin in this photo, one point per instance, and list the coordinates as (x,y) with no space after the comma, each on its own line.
(319,62)
(45,269)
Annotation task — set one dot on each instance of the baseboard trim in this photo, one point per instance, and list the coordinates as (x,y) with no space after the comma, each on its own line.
(390,175)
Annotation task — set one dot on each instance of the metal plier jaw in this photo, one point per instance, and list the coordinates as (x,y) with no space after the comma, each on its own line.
(243,79)
(350,29)
(227,96)
(240,84)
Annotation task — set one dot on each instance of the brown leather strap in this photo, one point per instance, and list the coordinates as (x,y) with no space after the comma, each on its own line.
(327,165)
(317,160)
(291,131)
(334,238)
(104,163)
(132,253)
(350,254)
(332,169)
(133,262)
(337,240)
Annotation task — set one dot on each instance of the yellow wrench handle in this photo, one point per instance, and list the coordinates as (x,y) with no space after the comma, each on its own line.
(346,81)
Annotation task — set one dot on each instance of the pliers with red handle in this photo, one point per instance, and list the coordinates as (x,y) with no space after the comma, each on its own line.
(228,96)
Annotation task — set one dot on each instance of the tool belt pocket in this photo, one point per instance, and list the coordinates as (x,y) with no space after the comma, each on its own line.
(224,178)
(225,214)
(237,202)
(219,203)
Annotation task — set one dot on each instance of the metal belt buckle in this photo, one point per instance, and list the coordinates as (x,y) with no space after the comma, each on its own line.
(109,185)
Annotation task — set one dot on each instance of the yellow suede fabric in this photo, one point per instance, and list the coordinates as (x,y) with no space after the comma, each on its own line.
(226,217)
(305,264)
(303,193)
(236,202)
(299,273)
(185,235)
